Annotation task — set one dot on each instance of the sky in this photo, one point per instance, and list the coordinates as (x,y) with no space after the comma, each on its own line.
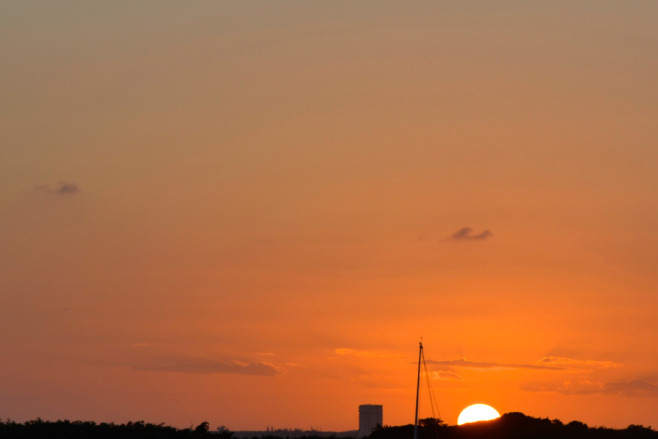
(250,212)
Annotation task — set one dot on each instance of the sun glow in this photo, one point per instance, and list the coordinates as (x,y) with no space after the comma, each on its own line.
(477,412)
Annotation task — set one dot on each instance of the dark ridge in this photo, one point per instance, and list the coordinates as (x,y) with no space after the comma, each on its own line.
(512,426)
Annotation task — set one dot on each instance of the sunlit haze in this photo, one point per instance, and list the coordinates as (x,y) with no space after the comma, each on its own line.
(250,212)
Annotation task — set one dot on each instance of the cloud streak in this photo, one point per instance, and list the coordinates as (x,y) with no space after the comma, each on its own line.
(571,363)
(446,375)
(545,363)
(360,353)
(63,188)
(637,387)
(463,362)
(200,366)
(467,234)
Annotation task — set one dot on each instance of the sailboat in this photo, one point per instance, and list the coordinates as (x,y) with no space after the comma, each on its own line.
(421,359)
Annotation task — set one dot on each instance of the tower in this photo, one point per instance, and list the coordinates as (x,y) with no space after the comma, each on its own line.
(370,416)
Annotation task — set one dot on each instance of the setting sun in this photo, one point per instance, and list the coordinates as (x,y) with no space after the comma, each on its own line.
(477,412)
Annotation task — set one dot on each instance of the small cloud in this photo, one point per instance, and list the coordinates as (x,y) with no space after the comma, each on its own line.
(63,188)
(467,234)
(67,188)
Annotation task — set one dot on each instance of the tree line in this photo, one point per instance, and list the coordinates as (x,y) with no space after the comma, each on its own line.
(38,429)
(508,426)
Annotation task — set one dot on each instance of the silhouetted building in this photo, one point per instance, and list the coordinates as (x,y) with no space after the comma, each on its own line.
(370,416)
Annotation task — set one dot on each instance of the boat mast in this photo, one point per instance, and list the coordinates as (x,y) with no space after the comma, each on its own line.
(420,355)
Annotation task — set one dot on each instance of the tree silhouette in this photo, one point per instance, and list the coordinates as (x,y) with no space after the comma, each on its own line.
(202,428)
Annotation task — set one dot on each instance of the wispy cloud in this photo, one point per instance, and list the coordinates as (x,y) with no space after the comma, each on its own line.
(467,234)
(545,363)
(582,379)
(637,387)
(201,366)
(361,353)
(572,363)
(63,188)
(445,375)
(634,387)
(463,362)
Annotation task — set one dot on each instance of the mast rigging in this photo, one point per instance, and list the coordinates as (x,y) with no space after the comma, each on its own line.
(433,404)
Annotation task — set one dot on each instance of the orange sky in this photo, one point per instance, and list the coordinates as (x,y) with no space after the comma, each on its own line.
(248,213)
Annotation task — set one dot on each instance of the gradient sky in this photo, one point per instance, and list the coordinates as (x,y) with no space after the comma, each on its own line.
(249,212)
